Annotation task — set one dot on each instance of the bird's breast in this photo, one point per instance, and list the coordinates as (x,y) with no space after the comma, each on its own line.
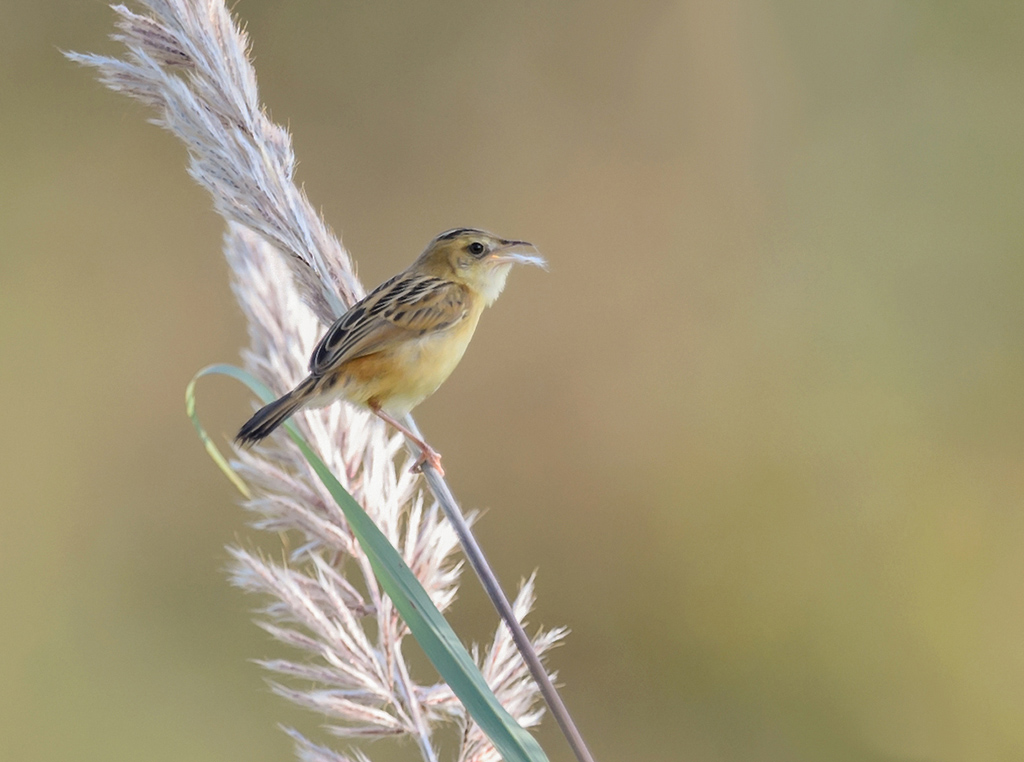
(402,376)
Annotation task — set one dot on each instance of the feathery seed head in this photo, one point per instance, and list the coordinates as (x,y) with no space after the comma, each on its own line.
(187,59)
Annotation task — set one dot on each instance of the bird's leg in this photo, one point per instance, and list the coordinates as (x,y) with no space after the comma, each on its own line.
(427,453)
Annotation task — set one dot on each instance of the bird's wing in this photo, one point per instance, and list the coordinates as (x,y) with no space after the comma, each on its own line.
(404,307)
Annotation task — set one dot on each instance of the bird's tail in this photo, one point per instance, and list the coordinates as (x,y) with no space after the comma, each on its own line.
(271,416)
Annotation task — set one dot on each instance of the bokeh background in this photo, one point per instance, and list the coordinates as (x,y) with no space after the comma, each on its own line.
(760,428)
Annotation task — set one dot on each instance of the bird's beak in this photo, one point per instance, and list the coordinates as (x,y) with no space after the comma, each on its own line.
(518,252)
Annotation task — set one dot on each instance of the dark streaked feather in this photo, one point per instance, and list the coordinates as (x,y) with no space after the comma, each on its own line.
(456,232)
(405,305)
(269,417)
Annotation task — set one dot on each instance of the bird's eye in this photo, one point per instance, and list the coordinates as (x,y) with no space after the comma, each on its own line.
(476,248)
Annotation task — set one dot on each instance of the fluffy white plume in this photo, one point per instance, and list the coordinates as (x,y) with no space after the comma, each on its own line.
(188,61)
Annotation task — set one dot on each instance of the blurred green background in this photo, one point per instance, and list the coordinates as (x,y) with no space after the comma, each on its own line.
(761,427)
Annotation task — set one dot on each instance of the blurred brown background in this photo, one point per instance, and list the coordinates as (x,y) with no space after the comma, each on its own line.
(760,428)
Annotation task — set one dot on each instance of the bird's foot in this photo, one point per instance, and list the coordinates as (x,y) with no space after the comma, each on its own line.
(431,456)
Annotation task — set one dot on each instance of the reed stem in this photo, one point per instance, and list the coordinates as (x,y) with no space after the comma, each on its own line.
(474,553)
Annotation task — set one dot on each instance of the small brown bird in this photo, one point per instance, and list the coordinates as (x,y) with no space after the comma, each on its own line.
(397,345)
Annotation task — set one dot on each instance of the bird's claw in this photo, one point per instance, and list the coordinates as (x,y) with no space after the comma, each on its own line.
(433,457)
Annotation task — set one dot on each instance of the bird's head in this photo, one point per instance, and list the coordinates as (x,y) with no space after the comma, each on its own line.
(476,259)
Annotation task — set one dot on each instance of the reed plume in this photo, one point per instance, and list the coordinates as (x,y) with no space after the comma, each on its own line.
(188,61)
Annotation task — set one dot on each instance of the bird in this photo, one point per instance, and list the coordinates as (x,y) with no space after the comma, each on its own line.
(394,347)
